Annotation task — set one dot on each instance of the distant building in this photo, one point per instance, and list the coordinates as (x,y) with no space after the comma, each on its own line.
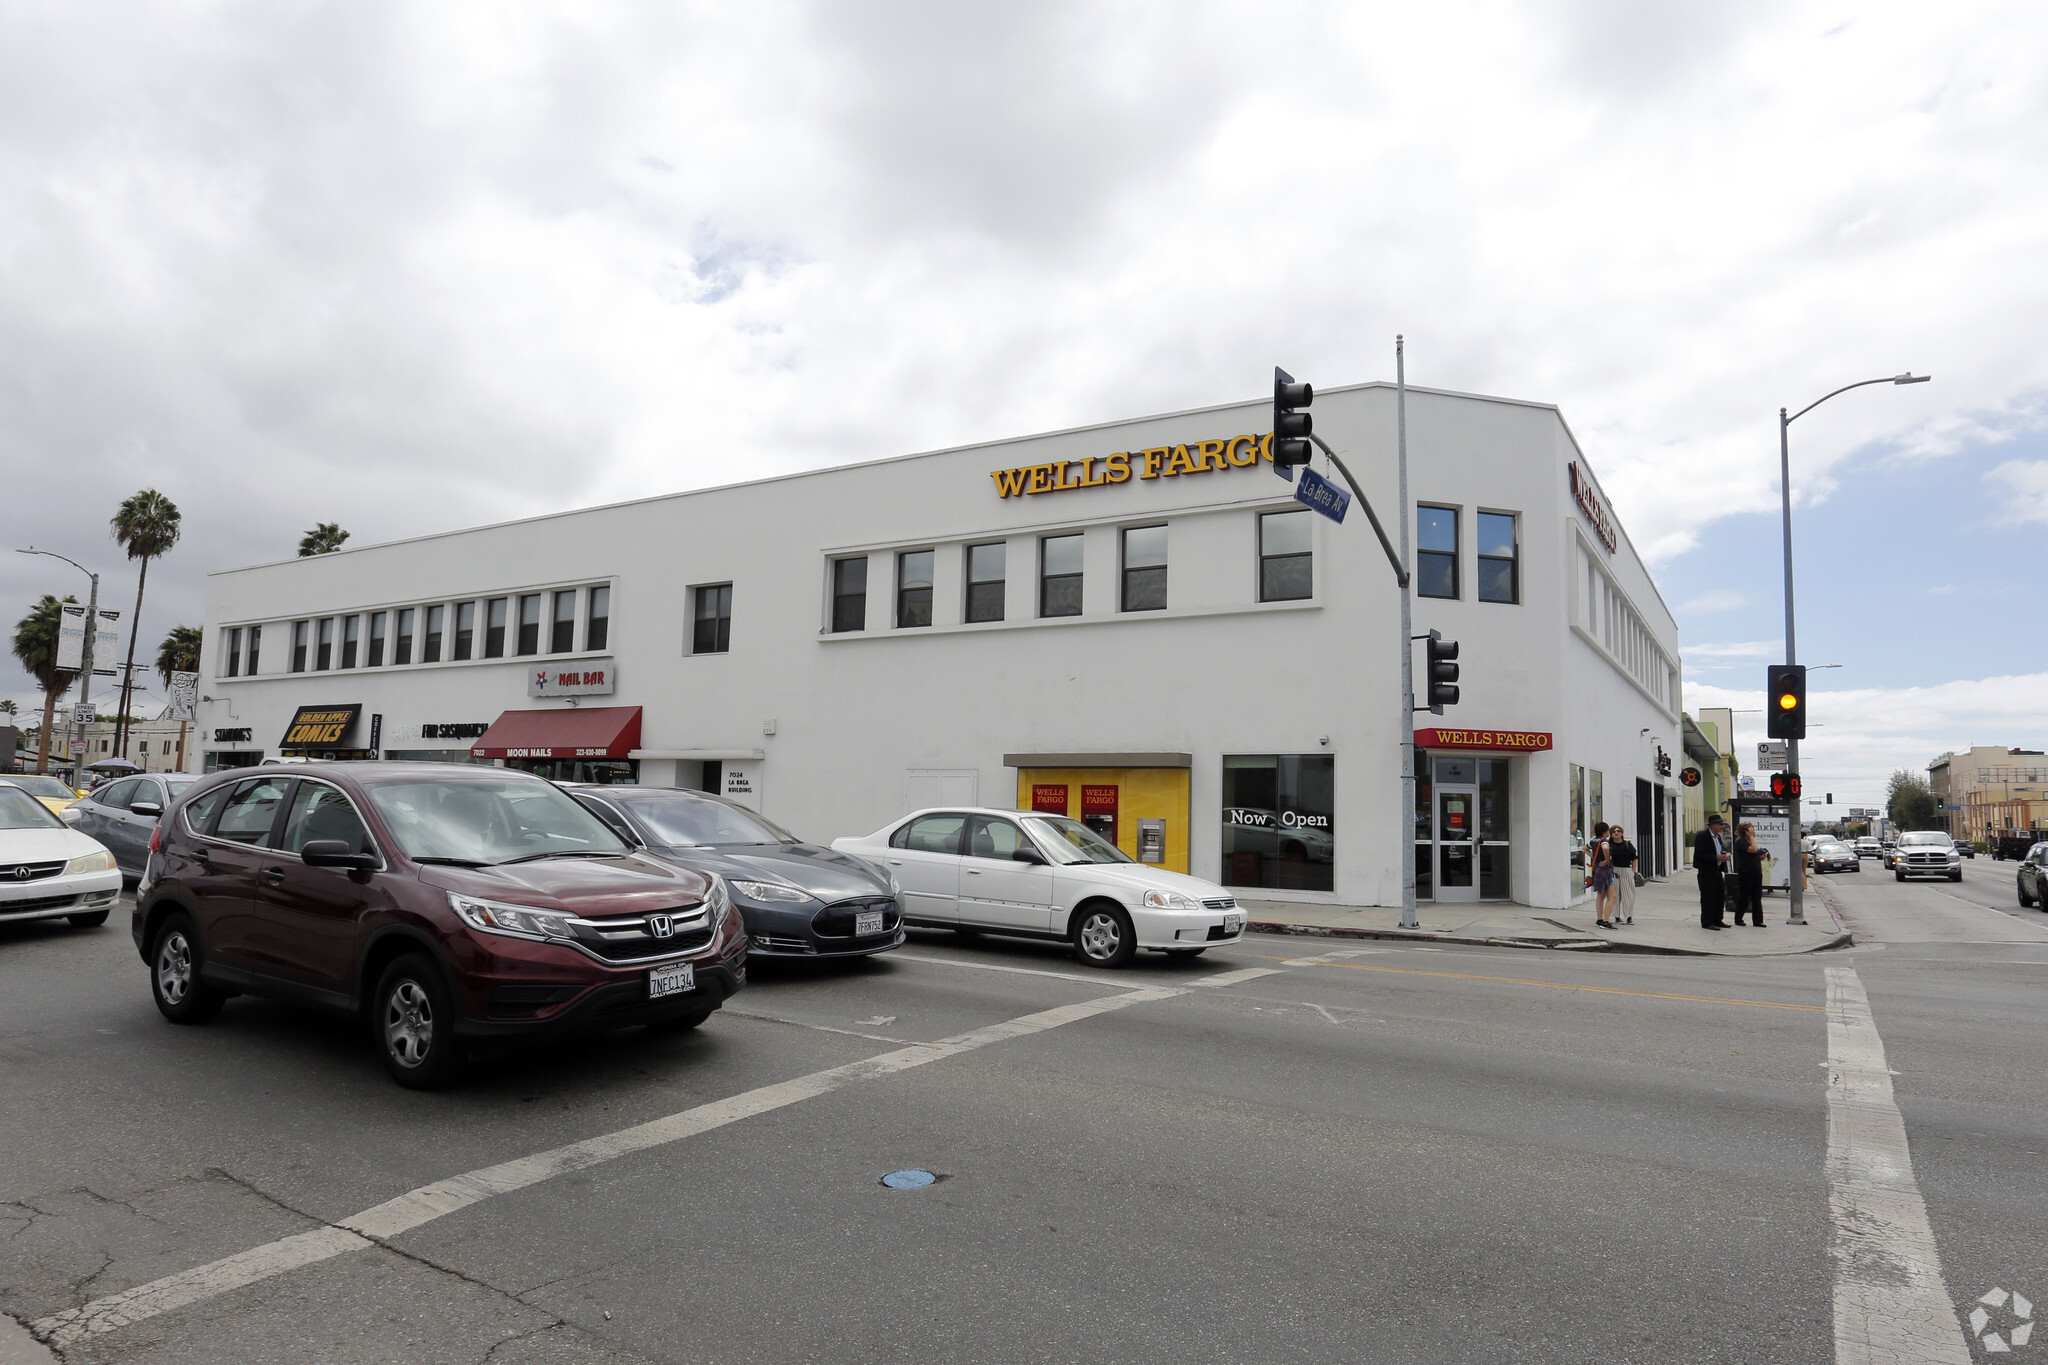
(1989,789)
(1710,747)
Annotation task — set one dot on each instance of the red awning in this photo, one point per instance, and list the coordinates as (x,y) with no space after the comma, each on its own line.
(580,732)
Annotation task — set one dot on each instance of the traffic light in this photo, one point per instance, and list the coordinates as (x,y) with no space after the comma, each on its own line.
(1291,426)
(1442,673)
(1785,700)
(1831,798)
(1784,786)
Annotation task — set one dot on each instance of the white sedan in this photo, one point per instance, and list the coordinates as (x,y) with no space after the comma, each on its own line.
(49,870)
(1045,877)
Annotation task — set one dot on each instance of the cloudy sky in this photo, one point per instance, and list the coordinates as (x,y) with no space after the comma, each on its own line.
(415,267)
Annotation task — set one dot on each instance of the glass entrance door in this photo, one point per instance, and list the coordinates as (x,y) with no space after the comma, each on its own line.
(1456,857)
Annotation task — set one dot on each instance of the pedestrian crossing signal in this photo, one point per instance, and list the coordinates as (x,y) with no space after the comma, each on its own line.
(1784,786)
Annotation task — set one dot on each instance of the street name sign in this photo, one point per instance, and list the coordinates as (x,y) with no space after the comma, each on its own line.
(1322,495)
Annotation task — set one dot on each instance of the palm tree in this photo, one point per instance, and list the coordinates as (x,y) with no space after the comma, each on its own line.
(179,653)
(35,645)
(324,539)
(8,708)
(146,526)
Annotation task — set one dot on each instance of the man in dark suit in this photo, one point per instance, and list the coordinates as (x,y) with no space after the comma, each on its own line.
(1710,860)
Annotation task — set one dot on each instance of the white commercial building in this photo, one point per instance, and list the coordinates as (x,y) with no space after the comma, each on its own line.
(1134,623)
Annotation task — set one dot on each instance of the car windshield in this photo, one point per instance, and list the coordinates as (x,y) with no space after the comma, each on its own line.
(1070,841)
(19,810)
(178,784)
(44,786)
(487,822)
(685,819)
(1922,840)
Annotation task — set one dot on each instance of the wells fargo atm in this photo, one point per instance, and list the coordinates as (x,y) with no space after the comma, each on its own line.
(1137,801)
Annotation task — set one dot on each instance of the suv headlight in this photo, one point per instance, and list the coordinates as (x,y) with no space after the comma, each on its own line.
(1170,900)
(512,921)
(97,861)
(771,891)
(718,900)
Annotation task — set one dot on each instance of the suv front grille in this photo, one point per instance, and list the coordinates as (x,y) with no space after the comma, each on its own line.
(631,938)
(29,872)
(836,919)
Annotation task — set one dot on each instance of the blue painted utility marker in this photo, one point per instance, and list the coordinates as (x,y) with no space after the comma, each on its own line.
(908,1180)
(1324,496)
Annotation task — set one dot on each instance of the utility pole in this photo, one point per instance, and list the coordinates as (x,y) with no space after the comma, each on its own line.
(92,631)
(1404,819)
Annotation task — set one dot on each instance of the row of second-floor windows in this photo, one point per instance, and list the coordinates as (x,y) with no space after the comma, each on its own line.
(515,625)
(1439,553)
(1284,572)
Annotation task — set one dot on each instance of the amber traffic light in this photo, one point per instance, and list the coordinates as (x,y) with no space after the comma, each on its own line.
(1785,700)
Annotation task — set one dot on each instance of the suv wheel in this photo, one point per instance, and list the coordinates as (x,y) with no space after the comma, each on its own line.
(181,996)
(2026,901)
(1103,937)
(412,1017)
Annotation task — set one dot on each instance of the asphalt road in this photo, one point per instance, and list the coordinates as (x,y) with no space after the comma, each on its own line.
(1402,1154)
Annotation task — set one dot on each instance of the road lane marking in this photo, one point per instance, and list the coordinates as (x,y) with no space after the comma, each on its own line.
(1233,978)
(1891,1303)
(1097,980)
(1565,986)
(429,1202)
(821,1028)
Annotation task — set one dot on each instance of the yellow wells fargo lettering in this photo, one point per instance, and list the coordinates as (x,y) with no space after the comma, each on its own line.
(1159,462)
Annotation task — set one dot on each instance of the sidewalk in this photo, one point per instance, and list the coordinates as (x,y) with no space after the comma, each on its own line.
(1667,921)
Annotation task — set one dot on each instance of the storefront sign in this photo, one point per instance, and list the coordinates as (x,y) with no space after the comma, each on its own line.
(1049,797)
(1513,741)
(1158,462)
(239,734)
(584,678)
(1590,502)
(468,729)
(1095,800)
(318,728)
(1274,819)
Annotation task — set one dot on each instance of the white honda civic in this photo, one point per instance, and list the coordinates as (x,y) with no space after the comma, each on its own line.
(49,870)
(1045,877)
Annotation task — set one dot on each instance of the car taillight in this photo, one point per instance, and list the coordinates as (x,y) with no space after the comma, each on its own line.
(156,836)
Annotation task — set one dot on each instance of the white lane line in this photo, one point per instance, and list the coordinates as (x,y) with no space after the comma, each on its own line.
(1891,1304)
(428,1202)
(1233,978)
(1097,980)
(799,1023)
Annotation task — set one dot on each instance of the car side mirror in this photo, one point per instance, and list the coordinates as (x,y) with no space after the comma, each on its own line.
(1028,855)
(335,853)
(149,808)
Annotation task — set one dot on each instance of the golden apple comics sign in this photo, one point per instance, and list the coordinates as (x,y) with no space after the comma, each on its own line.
(1158,462)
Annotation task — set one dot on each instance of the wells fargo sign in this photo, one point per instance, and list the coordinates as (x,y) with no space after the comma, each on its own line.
(1590,502)
(1513,741)
(317,728)
(1158,462)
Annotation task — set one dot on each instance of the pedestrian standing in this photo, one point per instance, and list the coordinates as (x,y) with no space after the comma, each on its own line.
(1622,854)
(1749,875)
(1710,863)
(1603,876)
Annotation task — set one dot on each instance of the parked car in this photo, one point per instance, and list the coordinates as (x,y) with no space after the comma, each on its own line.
(49,790)
(797,899)
(1926,853)
(452,909)
(49,870)
(122,815)
(1045,877)
(1832,856)
(2033,873)
(1868,847)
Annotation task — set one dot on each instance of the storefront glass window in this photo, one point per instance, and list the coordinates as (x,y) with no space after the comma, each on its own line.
(985,581)
(1286,564)
(1498,581)
(1596,797)
(1279,821)
(597,627)
(351,632)
(1494,823)
(1578,799)
(299,646)
(1059,585)
(914,588)
(1436,557)
(563,638)
(1145,568)
(430,641)
(465,629)
(529,624)
(494,627)
(711,632)
(377,620)
(850,594)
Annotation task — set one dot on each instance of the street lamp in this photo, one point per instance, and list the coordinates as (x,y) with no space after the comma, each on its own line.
(1798,915)
(92,630)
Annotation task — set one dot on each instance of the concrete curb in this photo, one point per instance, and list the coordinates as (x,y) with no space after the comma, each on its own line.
(1577,943)
(19,1347)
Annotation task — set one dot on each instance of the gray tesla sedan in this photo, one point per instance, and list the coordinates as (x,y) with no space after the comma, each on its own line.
(797,899)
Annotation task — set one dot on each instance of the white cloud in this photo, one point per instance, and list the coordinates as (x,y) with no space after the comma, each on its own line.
(1746,649)
(2024,485)
(1719,599)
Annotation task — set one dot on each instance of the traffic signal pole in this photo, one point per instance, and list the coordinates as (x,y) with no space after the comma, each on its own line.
(1796,890)
(1404,819)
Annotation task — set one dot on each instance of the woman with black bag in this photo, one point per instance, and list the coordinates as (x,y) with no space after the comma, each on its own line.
(1622,854)
(1749,875)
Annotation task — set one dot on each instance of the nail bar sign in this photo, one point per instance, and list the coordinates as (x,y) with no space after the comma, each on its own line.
(579,678)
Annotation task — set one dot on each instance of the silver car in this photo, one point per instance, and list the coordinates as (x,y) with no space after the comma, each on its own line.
(123,814)
(1833,856)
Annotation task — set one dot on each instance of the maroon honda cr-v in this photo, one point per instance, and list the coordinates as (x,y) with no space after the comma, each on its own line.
(453,909)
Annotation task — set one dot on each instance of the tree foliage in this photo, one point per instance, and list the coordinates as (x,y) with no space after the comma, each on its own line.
(147,524)
(35,646)
(179,653)
(325,538)
(1909,803)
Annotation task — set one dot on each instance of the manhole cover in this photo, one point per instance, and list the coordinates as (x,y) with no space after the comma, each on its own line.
(908,1180)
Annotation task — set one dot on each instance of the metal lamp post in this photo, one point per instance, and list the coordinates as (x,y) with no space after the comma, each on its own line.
(92,630)
(1798,915)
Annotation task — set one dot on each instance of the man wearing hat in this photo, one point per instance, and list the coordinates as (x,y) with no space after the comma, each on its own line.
(1709,860)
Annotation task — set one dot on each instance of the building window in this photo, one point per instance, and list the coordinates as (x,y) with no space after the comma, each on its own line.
(711,629)
(1499,580)
(437,622)
(850,594)
(145,749)
(1279,820)
(1578,799)
(402,649)
(914,588)
(985,581)
(299,646)
(465,631)
(529,624)
(494,627)
(1145,568)
(1436,559)
(351,633)
(562,639)
(377,622)
(1059,576)
(255,647)
(323,658)
(234,653)
(597,622)
(1286,556)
